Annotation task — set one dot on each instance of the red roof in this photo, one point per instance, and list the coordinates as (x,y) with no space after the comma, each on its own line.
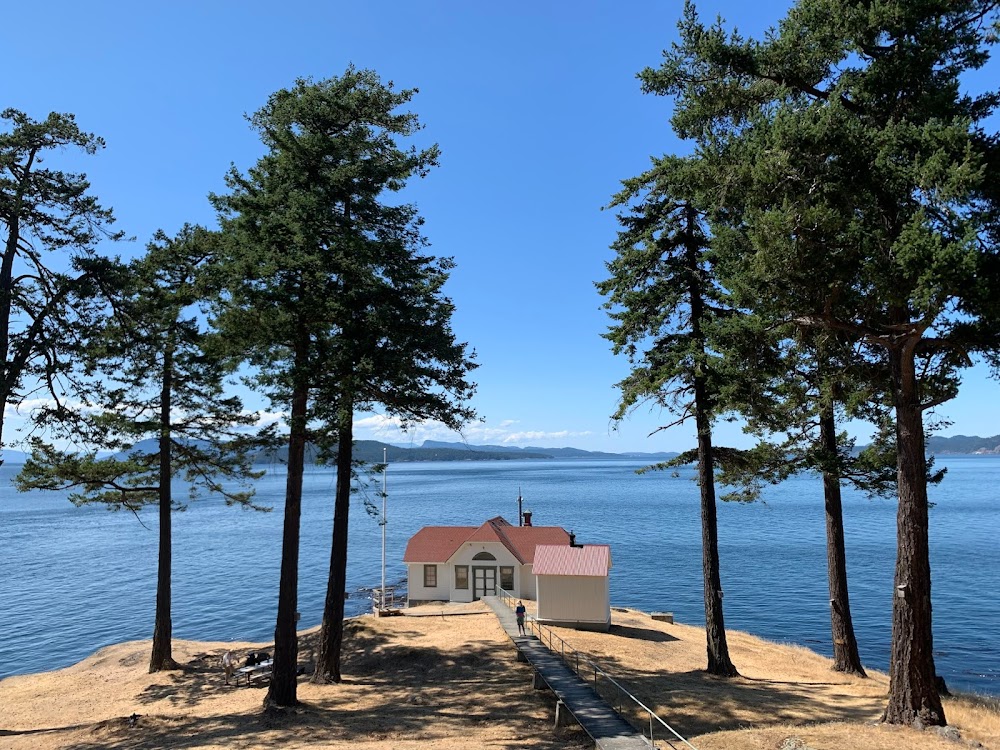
(525,540)
(436,544)
(559,560)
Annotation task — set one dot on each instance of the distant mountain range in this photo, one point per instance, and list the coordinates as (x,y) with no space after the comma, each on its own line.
(964,445)
(371,451)
(534,452)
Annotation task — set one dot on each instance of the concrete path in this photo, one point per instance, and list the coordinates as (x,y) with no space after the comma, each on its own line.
(608,730)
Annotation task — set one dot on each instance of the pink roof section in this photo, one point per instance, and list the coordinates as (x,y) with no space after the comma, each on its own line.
(558,560)
(436,544)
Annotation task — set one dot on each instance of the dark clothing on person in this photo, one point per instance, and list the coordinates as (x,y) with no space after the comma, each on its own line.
(519,612)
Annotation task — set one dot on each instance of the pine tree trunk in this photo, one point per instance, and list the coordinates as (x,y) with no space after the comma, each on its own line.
(332,632)
(4,395)
(12,218)
(913,690)
(6,305)
(719,662)
(162,656)
(284,677)
(845,644)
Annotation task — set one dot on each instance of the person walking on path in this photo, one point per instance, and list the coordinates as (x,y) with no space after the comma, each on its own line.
(519,612)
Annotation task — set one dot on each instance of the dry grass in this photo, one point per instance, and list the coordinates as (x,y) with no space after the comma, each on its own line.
(451,680)
(785,692)
(447,681)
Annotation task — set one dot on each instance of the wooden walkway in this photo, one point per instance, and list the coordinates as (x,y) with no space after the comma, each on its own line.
(608,730)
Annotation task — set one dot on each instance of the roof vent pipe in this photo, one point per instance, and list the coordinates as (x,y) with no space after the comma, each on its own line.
(527,517)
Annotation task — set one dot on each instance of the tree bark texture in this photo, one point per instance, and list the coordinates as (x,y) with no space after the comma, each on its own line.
(913,692)
(719,662)
(12,219)
(162,654)
(332,631)
(284,677)
(845,644)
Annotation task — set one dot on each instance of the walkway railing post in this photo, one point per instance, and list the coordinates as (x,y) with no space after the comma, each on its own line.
(537,628)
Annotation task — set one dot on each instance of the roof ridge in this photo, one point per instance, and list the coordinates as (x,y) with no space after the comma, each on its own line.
(506,541)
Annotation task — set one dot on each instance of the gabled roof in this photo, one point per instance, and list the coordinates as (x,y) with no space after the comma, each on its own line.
(437,544)
(560,560)
(523,541)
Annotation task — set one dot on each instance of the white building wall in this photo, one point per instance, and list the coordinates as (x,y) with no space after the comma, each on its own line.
(417,592)
(570,599)
(526,589)
(464,556)
(524,581)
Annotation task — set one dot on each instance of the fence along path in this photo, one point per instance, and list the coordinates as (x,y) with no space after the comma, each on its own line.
(606,727)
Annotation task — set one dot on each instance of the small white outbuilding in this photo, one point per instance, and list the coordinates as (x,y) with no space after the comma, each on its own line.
(573,585)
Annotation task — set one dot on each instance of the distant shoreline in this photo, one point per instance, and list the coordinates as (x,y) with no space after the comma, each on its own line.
(374,451)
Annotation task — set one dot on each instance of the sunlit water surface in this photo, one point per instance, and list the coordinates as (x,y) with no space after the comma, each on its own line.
(75,579)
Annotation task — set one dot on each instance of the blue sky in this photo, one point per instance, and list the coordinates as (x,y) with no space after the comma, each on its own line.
(538,114)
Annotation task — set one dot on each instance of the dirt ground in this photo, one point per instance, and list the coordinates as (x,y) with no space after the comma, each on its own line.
(786,698)
(449,678)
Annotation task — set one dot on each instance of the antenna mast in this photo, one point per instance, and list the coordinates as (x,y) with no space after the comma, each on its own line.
(385,466)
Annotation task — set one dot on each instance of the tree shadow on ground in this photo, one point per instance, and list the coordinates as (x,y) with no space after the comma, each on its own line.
(641,634)
(43,730)
(695,702)
(394,692)
(680,699)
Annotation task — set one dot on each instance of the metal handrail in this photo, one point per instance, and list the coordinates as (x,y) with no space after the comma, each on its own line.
(542,630)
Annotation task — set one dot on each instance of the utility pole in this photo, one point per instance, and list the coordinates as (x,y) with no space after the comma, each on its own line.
(385,467)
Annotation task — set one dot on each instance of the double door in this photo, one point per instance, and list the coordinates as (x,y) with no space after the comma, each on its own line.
(484,582)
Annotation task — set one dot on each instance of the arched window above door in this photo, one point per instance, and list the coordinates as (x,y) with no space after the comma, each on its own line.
(483,556)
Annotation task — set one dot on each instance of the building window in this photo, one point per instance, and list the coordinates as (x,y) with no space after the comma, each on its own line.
(483,556)
(430,576)
(461,576)
(506,578)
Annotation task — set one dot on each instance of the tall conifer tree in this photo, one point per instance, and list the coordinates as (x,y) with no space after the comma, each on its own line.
(664,304)
(150,375)
(328,293)
(50,227)
(870,197)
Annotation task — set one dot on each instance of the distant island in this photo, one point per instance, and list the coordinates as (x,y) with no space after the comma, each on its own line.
(964,445)
(371,451)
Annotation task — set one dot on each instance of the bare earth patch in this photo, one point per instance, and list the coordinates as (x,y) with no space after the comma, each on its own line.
(450,679)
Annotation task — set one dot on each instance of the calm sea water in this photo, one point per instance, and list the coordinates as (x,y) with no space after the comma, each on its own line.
(75,579)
